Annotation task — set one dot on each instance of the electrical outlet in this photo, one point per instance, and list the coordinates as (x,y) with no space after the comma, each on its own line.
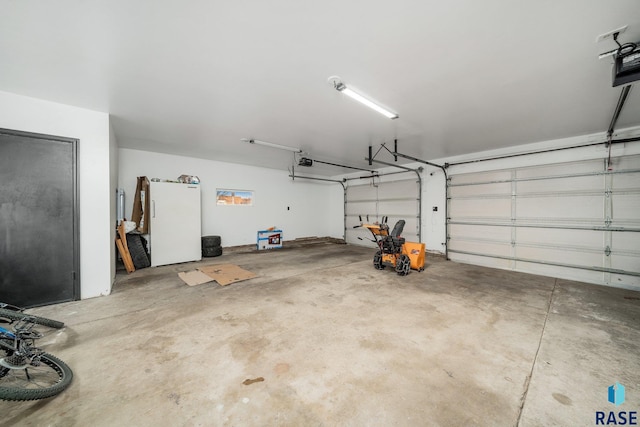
(609,34)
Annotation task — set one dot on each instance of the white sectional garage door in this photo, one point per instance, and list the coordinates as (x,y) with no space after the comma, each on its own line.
(398,199)
(575,220)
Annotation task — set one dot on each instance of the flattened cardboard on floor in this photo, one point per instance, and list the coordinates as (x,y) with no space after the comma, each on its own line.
(195,277)
(226,274)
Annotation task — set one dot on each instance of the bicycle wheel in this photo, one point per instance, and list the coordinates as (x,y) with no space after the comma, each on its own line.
(17,315)
(6,349)
(47,379)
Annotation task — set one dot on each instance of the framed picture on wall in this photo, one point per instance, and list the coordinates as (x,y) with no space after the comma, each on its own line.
(225,197)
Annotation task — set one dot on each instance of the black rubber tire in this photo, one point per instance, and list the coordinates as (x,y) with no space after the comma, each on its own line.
(211,252)
(5,345)
(6,349)
(137,248)
(211,241)
(403,265)
(15,387)
(377,261)
(18,315)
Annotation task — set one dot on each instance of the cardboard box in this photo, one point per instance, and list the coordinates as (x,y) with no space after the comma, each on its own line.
(140,214)
(269,239)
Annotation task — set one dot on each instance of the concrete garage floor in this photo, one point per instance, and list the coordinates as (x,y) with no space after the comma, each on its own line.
(340,343)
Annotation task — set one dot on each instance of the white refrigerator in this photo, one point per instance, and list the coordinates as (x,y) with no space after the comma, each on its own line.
(174,227)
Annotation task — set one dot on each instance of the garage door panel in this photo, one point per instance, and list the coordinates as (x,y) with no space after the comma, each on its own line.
(554,217)
(625,181)
(473,178)
(480,232)
(481,208)
(481,260)
(622,241)
(560,185)
(398,208)
(361,192)
(572,168)
(626,163)
(580,208)
(627,209)
(624,261)
(503,189)
(398,189)
(561,255)
(397,199)
(361,208)
(576,274)
(625,281)
(591,239)
(485,248)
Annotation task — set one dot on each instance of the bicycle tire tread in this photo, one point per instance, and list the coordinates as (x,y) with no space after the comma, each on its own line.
(13,394)
(16,315)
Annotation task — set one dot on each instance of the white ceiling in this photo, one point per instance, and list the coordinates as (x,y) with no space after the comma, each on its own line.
(194,77)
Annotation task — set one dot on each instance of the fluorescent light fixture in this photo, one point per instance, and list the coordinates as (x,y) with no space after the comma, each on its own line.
(341,87)
(272,145)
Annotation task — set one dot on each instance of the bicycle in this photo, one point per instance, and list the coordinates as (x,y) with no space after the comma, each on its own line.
(27,372)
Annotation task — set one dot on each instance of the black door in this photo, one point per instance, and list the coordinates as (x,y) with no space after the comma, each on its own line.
(39,250)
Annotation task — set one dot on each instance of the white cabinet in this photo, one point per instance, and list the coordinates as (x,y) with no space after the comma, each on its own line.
(175,223)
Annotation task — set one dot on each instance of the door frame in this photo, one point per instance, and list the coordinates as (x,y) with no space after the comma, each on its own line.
(75,197)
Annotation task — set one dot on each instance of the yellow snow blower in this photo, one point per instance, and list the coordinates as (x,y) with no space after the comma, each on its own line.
(394,251)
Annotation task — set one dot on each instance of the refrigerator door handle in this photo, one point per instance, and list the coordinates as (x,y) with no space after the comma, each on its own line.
(153,209)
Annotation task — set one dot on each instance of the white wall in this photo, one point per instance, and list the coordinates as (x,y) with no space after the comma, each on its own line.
(113,185)
(311,213)
(91,128)
(433,222)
